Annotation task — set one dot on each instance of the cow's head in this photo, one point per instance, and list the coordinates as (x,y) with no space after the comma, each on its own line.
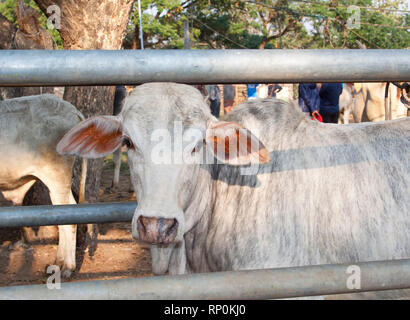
(169,131)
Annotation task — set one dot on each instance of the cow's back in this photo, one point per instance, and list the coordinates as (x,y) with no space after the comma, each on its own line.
(36,121)
(30,128)
(330,194)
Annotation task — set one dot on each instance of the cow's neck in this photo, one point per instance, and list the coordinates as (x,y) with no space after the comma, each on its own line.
(202,197)
(197,216)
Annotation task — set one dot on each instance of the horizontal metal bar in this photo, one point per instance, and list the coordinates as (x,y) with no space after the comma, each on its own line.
(66,214)
(250,284)
(103,67)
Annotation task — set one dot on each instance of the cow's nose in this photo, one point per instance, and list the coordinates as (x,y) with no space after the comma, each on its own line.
(157,230)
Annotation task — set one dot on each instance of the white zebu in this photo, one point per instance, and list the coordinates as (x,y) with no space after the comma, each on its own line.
(30,128)
(369,102)
(346,101)
(323,194)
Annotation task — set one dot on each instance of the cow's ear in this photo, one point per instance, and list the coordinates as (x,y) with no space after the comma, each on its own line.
(235,145)
(93,138)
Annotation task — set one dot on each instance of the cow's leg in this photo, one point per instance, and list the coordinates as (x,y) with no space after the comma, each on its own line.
(346,116)
(358,106)
(117,167)
(340,118)
(17,195)
(66,249)
(67,236)
(58,182)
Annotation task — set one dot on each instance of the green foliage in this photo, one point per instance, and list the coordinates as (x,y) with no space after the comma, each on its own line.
(8,10)
(376,29)
(247,23)
(235,24)
(162,23)
(110,165)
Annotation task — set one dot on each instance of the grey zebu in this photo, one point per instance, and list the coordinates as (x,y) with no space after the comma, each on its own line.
(30,128)
(328,194)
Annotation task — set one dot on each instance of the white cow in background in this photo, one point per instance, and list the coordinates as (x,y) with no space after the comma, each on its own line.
(369,105)
(346,101)
(30,128)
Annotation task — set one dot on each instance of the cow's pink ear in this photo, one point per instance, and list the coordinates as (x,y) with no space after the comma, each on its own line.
(93,138)
(235,145)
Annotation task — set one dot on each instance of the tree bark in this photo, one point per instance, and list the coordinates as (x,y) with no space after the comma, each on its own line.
(91,24)
(7,32)
(29,36)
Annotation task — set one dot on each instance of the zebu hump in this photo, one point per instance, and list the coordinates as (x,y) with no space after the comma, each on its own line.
(32,119)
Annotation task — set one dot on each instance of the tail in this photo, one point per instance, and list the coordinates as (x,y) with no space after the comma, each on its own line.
(84,163)
(81,195)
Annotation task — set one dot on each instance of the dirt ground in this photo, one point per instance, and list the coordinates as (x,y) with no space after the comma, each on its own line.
(116,255)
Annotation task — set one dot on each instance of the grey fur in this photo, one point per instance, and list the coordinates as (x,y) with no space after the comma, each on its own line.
(330,193)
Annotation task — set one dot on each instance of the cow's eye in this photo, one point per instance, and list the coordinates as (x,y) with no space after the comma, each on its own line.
(127,141)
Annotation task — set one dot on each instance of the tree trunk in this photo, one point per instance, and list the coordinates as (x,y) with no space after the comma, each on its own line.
(29,36)
(263,43)
(91,24)
(7,32)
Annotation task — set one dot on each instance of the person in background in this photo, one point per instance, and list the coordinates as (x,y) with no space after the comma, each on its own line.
(329,94)
(252,91)
(273,89)
(214,96)
(309,100)
(201,89)
(229,97)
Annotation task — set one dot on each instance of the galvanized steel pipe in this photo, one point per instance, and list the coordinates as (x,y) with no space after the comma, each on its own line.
(252,284)
(66,214)
(101,67)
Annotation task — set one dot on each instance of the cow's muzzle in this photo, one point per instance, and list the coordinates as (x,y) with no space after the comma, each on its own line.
(157,230)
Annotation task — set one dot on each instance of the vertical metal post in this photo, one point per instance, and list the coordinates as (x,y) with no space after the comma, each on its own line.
(141,34)
(387,106)
(187,42)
